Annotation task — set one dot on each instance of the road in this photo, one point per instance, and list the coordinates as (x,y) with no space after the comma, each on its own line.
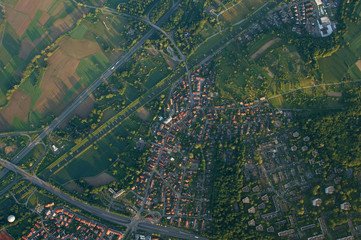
(197,62)
(84,95)
(117,219)
(96,211)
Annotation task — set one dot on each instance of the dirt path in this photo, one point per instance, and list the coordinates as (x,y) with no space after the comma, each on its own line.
(312,86)
(264,47)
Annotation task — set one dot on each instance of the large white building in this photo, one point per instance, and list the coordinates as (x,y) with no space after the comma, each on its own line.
(318,2)
(324,24)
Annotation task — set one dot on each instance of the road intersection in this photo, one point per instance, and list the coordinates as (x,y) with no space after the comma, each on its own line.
(96,211)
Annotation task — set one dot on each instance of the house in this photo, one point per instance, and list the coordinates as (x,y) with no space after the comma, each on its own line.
(252,210)
(259,228)
(245,200)
(345,206)
(256,189)
(286,232)
(265,198)
(262,206)
(317,237)
(330,190)
(270,229)
(252,223)
(317,202)
(245,189)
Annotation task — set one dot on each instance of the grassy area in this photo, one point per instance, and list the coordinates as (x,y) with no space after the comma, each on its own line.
(105,152)
(205,46)
(279,70)
(38,198)
(236,12)
(31,157)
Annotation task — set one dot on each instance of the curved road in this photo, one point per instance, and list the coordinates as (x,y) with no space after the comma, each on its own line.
(89,90)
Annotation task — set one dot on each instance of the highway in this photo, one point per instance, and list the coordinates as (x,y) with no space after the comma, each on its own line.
(96,211)
(198,62)
(89,90)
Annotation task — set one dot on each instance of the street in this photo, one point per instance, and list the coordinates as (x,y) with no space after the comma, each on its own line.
(96,211)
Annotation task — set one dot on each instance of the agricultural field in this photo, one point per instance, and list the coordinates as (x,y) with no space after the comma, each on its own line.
(66,67)
(346,60)
(271,67)
(235,12)
(26,29)
(116,148)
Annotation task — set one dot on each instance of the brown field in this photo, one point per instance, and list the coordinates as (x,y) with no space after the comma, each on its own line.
(83,110)
(264,48)
(60,74)
(27,46)
(58,8)
(18,21)
(72,186)
(10,149)
(58,78)
(25,49)
(63,25)
(4,236)
(21,15)
(334,94)
(85,107)
(28,7)
(99,180)
(19,106)
(44,17)
(143,113)
(358,64)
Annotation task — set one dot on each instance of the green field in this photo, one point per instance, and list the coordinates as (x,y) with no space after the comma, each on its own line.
(98,158)
(32,157)
(237,12)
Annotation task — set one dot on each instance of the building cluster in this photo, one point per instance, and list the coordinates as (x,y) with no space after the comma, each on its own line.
(310,16)
(278,188)
(61,223)
(174,187)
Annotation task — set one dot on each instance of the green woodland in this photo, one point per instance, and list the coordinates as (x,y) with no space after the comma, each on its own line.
(280,74)
(336,132)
